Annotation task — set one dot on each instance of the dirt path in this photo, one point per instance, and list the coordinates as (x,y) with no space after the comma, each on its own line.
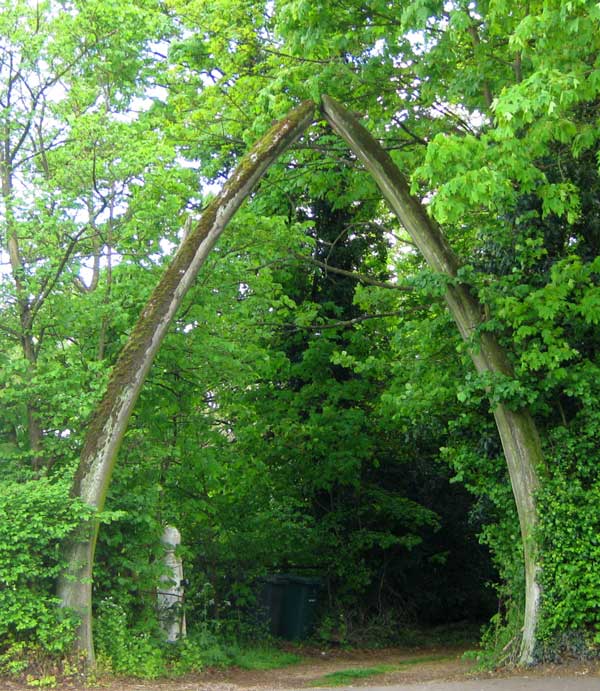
(449,673)
(437,669)
(310,673)
(512,684)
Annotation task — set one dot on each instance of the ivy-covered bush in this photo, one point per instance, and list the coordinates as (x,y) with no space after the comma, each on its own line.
(35,517)
(570,531)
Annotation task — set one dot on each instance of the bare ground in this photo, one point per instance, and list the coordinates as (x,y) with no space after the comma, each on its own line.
(452,667)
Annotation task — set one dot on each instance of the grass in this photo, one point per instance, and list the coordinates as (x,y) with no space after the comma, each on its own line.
(348,676)
(203,650)
(264,658)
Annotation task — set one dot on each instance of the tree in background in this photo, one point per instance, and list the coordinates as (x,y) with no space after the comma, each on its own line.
(74,157)
(78,167)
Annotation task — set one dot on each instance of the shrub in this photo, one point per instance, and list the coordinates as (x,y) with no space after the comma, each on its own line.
(35,517)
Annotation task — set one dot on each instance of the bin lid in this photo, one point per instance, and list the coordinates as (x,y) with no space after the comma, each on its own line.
(283,578)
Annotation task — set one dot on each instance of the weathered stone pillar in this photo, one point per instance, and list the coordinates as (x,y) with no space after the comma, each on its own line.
(170,592)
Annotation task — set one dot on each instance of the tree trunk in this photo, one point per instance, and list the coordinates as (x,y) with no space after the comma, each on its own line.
(109,421)
(34,429)
(518,433)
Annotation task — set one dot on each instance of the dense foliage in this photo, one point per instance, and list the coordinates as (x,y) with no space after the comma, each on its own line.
(313,409)
(34,518)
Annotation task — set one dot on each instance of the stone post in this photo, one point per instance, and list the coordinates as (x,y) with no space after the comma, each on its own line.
(170,592)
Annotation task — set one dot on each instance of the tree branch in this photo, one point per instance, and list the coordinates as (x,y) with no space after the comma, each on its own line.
(356,276)
(49,282)
(487,92)
(347,322)
(10,332)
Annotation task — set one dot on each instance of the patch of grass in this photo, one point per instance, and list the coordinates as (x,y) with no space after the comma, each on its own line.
(204,649)
(264,658)
(348,676)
